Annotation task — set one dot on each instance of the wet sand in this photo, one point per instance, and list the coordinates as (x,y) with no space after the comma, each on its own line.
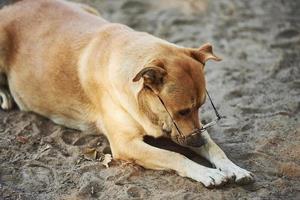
(257,86)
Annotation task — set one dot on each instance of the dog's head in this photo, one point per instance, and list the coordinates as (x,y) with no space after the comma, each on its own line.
(174,90)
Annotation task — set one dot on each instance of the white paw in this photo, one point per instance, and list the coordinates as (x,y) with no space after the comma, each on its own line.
(208,177)
(234,172)
(6,101)
(243,176)
(213,178)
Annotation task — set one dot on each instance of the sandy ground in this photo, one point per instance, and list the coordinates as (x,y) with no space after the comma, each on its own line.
(257,86)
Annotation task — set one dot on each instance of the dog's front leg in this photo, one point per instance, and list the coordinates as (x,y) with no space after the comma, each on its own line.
(212,152)
(154,158)
(127,144)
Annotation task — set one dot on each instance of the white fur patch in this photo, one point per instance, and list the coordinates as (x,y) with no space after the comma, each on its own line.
(217,157)
(208,176)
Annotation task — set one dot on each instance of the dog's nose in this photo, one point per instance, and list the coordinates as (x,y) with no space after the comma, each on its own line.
(195,140)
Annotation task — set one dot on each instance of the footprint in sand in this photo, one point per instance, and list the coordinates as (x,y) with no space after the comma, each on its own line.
(286,38)
(37,177)
(90,186)
(237,93)
(134,7)
(288,34)
(77,138)
(137,192)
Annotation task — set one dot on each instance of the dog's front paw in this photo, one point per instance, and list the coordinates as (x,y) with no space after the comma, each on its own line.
(236,173)
(243,176)
(209,177)
(213,178)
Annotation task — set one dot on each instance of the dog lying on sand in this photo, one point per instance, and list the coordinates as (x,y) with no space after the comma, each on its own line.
(63,61)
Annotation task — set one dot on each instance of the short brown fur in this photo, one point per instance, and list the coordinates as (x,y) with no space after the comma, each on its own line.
(66,63)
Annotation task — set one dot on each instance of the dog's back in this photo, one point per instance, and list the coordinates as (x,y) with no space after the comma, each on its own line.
(31,24)
(40,43)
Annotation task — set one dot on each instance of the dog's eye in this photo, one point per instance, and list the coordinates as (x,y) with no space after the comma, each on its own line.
(184,112)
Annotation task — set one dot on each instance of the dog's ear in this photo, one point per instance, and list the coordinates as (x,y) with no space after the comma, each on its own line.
(205,53)
(153,77)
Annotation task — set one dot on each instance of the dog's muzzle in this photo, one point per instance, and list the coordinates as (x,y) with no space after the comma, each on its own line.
(195,139)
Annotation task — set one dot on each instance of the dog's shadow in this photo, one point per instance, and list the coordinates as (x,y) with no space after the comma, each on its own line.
(165,143)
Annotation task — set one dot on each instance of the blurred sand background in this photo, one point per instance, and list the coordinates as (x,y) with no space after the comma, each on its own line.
(257,85)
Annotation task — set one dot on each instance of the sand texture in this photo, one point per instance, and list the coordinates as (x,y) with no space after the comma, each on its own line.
(257,85)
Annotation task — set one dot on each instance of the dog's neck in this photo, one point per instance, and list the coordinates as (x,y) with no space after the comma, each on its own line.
(97,71)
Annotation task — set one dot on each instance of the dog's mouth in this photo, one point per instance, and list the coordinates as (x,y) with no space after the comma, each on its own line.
(195,140)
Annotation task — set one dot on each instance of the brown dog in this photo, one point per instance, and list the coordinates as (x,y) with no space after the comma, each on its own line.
(64,62)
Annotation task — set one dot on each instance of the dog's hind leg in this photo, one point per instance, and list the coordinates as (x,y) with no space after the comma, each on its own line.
(212,152)
(6,100)
(4,49)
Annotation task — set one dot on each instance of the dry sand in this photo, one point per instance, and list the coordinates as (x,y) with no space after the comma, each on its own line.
(257,86)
